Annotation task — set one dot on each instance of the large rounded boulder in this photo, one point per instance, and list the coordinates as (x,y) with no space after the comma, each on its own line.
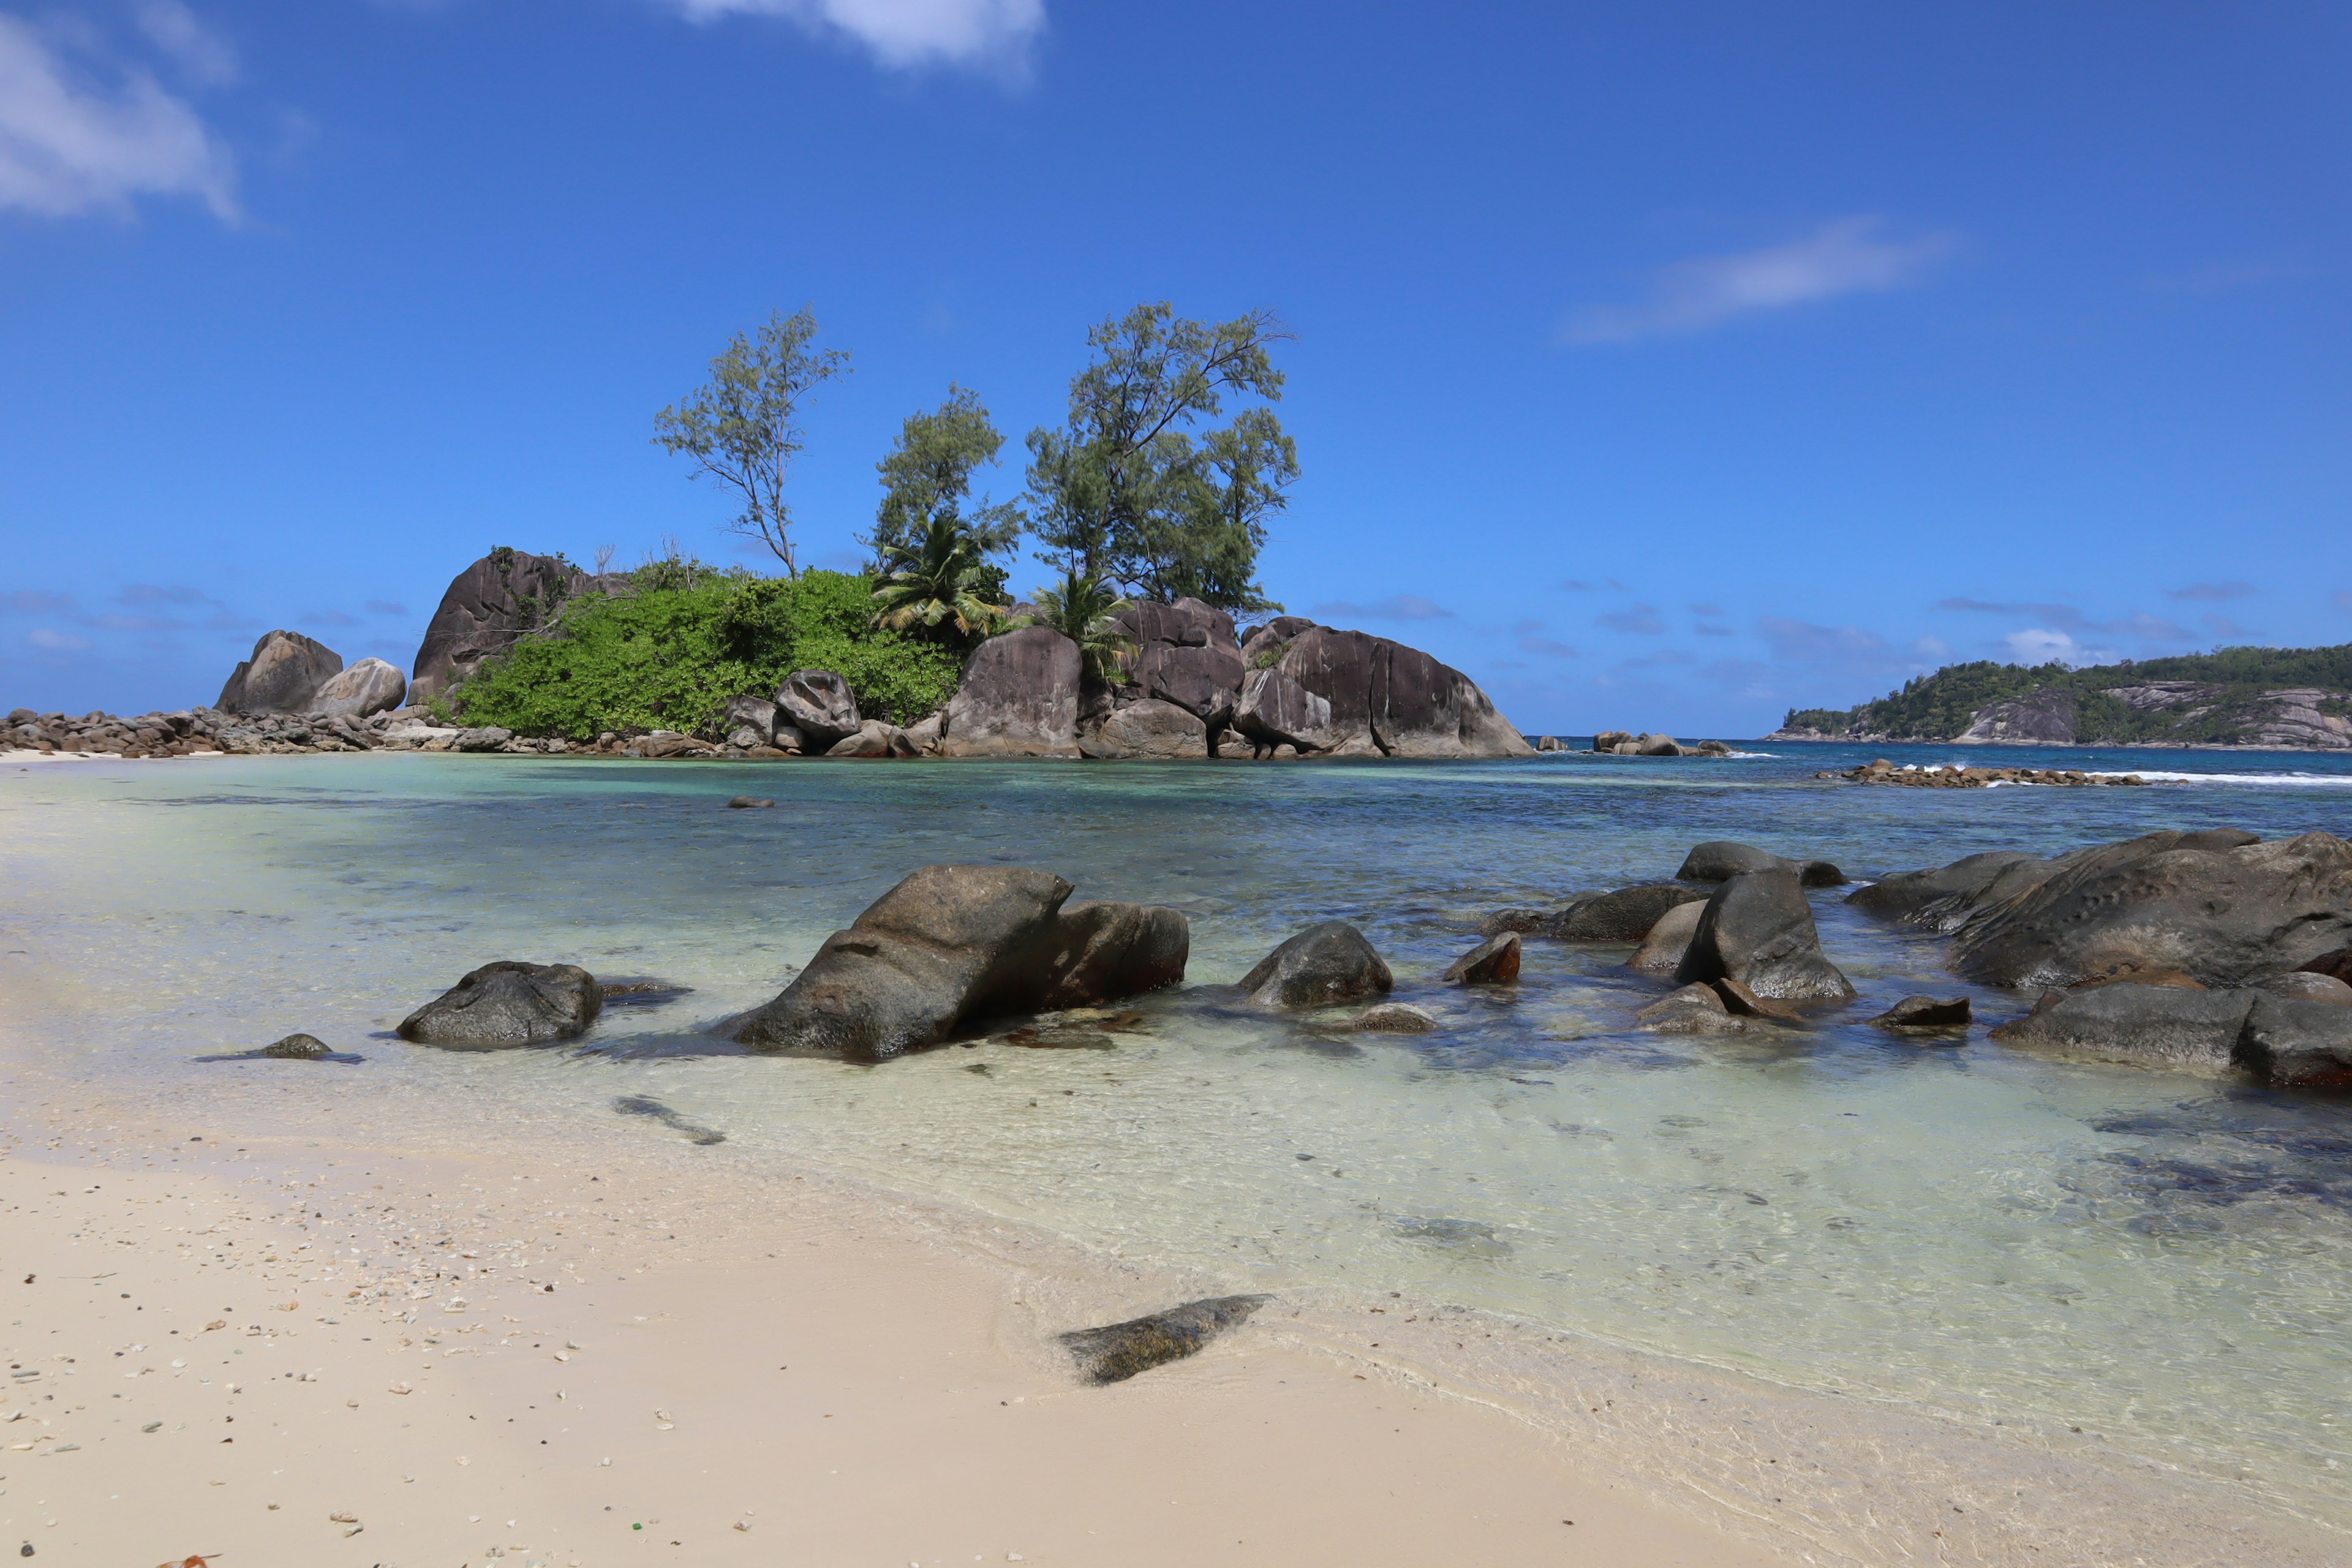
(369,687)
(1721,859)
(1019,697)
(1321,966)
(1758,928)
(489,604)
(509,1003)
(283,676)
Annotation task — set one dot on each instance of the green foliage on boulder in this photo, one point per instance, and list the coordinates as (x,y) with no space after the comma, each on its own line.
(666,652)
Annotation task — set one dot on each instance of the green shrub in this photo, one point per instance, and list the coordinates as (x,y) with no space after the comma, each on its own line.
(669,654)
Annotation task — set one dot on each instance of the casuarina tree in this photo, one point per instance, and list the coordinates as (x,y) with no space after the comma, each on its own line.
(928,475)
(742,427)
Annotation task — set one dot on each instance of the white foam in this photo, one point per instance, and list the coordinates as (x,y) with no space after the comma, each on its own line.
(2298,780)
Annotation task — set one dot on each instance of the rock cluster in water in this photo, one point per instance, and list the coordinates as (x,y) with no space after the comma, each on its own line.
(1952,775)
(1618,742)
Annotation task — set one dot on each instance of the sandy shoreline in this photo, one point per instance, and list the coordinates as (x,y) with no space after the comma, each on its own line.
(854,1379)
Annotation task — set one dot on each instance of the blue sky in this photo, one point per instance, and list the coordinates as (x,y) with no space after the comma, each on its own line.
(1662,367)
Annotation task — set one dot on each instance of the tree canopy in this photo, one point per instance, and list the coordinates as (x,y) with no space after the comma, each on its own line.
(742,427)
(927,476)
(1124,492)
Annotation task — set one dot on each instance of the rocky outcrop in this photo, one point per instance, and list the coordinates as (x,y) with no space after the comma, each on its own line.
(2337,964)
(819,704)
(1758,928)
(1495,962)
(751,721)
(951,946)
(2044,717)
(1148,729)
(362,691)
(507,1003)
(1721,859)
(1662,950)
(1943,898)
(2223,912)
(1952,775)
(2153,1025)
(1925,1013)
(1693,1010)
(1397,700)
(489,604)
(1628,914)
(1322,965)
(1186,654)
(1118,1351)
(1019,697)
(874,738)
(1276,710)
(283,676)
(2291,1042)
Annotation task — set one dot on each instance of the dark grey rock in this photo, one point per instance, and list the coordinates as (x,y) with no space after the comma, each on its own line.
(2223,915)
(951,945)
(2308,984)
(1720,859)
(2291,1042)
(1943,898)
(296,1048)
(1324,964)
(1276,710)
(2154,1025)
(489,605)
(820,705)
(875,737)
(1204,682)
(1019,697)
(1396,700)
(1118,1351)
(2338,962)
(1758,928)
(1925,1013)
(756,714)
(1625,915)
(1495,962)
(748,802)
(1662,950)
(509,1003)
(644,1105)
(1151,728)
(1693,1010)
(2044,717)
(283,675)
(1396,1018)
(1528,922)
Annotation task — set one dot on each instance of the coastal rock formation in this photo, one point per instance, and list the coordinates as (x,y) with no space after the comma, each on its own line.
(362,691)
(1118,1351)
(1662,949)
(1942,899)
(2293,1042)
(1395,1018)
(283,675)
(951,945)
(2044,717)
(1758,928)
(2307,985)
(1952,775)
(1019,697)
(489,605)
(1628,914)
(1925,1013)
(509,1003)
(1721,859)
(1151,728)
(1495,962)
(1186,654)
(2156,1025)
(1398,698)
(752,721)
(874,738)
(820,705)
(1276,710)
(1693,1010)
(1321,966)
(2224,913)
(2339,963)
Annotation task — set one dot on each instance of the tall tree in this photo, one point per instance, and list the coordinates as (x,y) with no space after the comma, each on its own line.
(1124,493)
(927,477)
(940,579)
(742,427)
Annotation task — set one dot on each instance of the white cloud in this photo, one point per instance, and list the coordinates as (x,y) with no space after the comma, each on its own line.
(202,55)
(1843,257)
(2040,645)
(905,33)
(57,642)
(70,143)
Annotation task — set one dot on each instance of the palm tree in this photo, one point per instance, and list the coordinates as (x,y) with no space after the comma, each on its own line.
(941,577)
(1081,610)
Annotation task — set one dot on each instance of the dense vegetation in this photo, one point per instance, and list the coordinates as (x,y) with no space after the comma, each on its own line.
(1940,706)
(669,645)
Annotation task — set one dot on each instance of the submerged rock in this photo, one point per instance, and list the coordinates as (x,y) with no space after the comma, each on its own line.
(1693,1010)
(2223,911)
(1495,962)
(1758,928)
(1722,859)
(643,1105)
(509,1003)
(748,802)
(951,945)
(1925,1013)
(296,1049)
(1943,898)
(1119,1350)
(1396,1018)
(1324,964)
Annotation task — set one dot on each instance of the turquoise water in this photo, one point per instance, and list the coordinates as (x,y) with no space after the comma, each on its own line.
(2164,1260)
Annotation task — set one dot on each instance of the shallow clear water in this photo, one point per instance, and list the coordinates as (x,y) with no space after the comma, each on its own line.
(2160,1258)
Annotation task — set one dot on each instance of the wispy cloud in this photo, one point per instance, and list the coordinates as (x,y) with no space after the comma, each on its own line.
(384,607)
(49,641)
(202,55)
(1801,642)
(34,602)
(2067,618)
(1641,620)
(81,135)
(2211,592)
(1847,257)
(330,618)
(1396,608)
(1531,640)
(901,34)
(2042,645)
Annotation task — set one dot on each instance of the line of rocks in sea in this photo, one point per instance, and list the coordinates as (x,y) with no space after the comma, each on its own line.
(2213,951)
(1952,775)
